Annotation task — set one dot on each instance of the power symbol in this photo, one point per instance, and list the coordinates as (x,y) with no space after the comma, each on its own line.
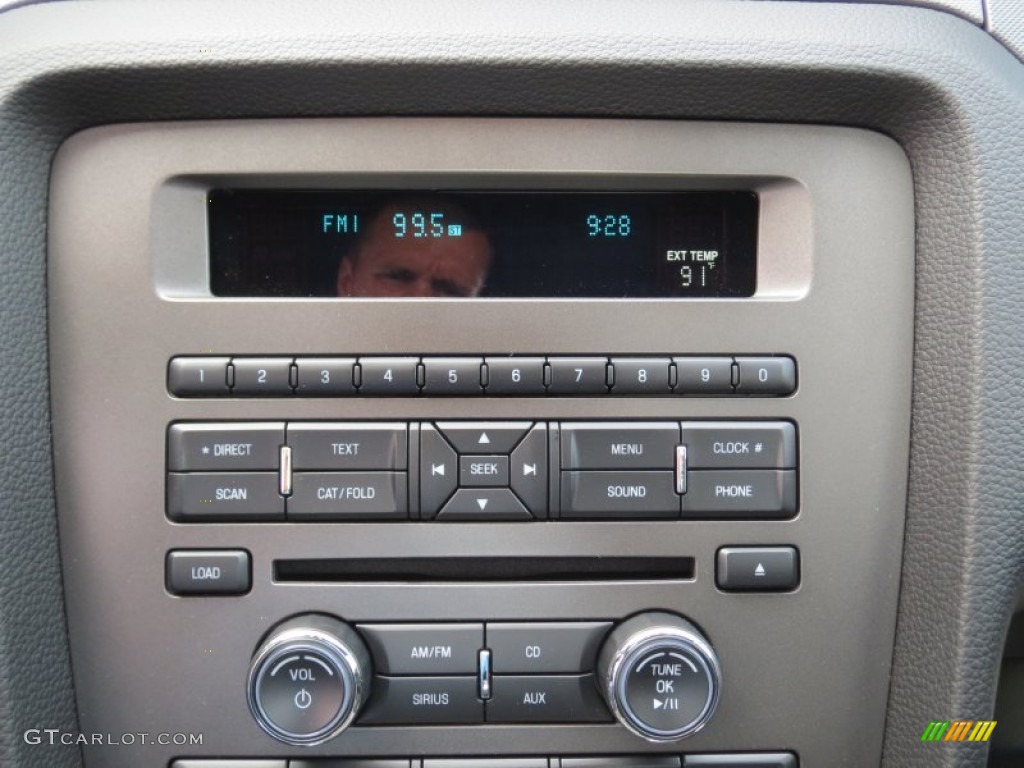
(303,699)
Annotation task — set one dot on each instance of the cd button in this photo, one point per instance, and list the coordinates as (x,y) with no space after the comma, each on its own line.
(424,649)
(452,376)
(484,437)
(347,495)
(546,699)
(423,700)
(231,446)
(205,496)
(604,445)
(545,648)
(515,375)
(484,504)
(484,471)
(703,375)
(634,495)
(394,376)
(757,493)
(348,446)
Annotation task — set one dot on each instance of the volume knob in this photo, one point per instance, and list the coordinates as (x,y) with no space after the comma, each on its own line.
(660,676)
(308,680)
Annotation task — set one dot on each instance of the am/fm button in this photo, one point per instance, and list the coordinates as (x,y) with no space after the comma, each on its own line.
(424,649)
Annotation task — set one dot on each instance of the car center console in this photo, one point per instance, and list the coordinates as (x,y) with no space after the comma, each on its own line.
(481,442)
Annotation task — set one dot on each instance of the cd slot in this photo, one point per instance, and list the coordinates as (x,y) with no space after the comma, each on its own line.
(484,569)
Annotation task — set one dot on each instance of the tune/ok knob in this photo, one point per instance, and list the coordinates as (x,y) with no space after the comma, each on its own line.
(309,679)
(660,676)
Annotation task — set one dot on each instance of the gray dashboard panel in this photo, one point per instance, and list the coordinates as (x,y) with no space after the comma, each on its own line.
(835,290)
(911,73)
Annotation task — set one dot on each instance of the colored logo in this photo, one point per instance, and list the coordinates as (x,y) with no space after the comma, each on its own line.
(959,730)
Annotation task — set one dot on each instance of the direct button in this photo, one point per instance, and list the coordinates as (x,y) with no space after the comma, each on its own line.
(633,495)
(348,445)
(196,447)
(208,572)
(424,649)
(423,701)
(545,648)
(546,699)
(740,444)
(485,471)
(348,495)
(625,445)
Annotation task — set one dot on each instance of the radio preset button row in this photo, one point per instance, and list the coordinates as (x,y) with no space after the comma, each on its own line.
(410,376)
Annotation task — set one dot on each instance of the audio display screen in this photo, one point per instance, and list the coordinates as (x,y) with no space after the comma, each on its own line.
(506,244)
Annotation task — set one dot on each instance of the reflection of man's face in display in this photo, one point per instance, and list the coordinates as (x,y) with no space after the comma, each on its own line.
(381,264)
